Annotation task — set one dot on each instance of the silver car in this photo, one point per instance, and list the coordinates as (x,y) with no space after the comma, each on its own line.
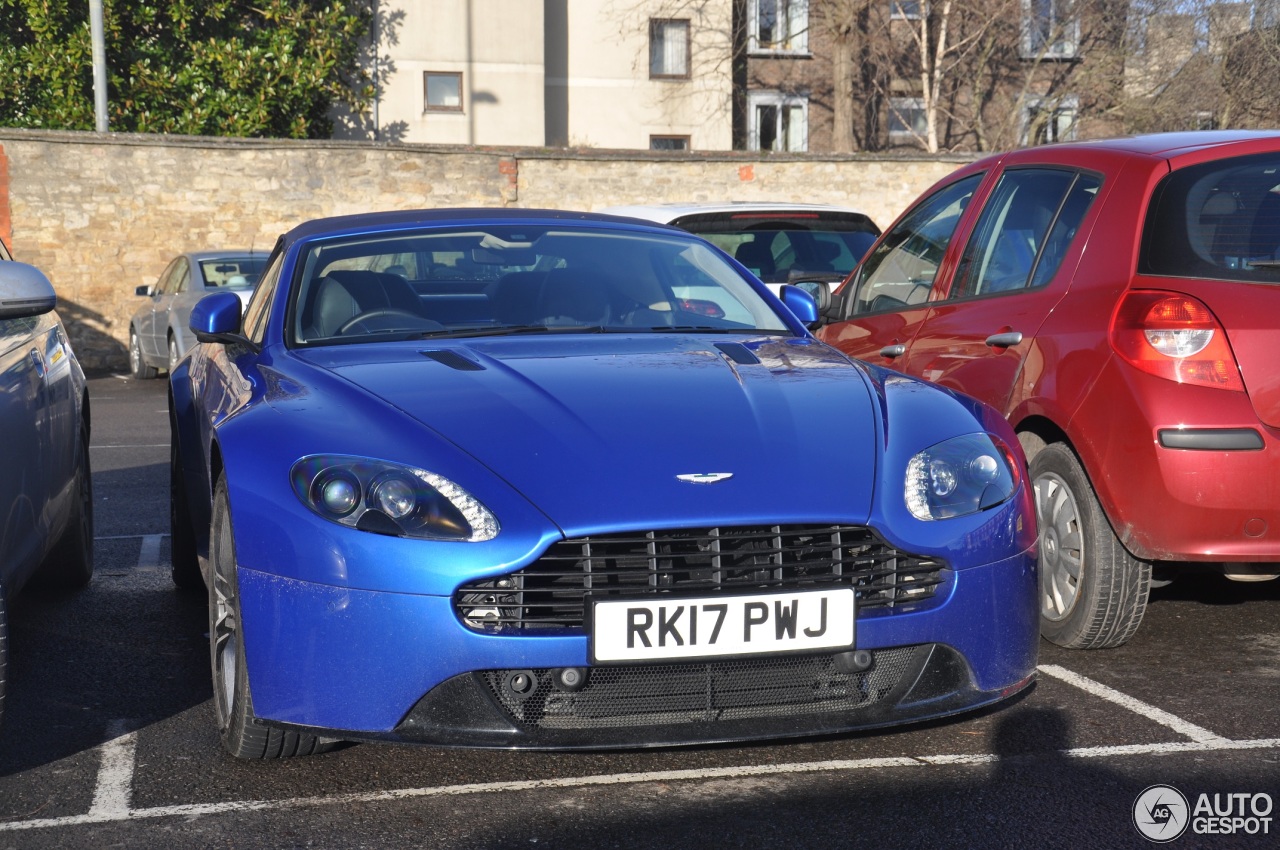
(158,332)
(46,496)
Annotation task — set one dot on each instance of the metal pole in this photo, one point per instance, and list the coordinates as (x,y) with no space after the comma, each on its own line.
(377,71)
(99,66)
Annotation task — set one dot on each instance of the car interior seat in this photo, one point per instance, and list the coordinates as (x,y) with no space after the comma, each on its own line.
(1021,236)
(1010,263)
(1210,235)
(824,256)
(1264,235)
(756,256)
(514,297)
(343,294)
(575,296)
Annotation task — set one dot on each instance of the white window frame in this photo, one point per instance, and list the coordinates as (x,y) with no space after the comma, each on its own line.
(796,38)
(783,102)
(900,108)
(685,141)
(1067,107)
(427,106)
(672,49)
(1064,22)
(1204,119)
(898,10)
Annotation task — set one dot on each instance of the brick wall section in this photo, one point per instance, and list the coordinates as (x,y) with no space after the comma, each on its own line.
(102,215)
(6,226)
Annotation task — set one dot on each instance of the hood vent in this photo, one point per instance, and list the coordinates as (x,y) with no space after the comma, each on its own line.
(453,360)
(738,353)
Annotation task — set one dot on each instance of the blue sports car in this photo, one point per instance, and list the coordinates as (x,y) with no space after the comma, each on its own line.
(511,478)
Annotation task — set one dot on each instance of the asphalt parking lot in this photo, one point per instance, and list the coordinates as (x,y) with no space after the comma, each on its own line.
(108,737)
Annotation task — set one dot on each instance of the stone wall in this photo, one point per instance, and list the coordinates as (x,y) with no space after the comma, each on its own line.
(102,215)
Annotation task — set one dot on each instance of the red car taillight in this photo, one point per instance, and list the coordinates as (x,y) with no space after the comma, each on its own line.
(1175,337)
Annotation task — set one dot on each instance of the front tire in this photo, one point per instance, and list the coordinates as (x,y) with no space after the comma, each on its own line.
(1093,593)
(138,366)
(241,733)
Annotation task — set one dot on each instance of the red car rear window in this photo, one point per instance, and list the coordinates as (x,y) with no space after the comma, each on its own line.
(1218,220)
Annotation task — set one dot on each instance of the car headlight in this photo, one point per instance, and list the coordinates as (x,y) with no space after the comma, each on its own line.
(960,476)
(390,498)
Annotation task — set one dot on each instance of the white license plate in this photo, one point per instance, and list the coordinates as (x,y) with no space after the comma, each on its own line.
(714,626)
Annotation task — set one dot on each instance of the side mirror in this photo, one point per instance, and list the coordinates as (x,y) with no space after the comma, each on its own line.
(145,291)
(24,291)
(216,318)
(818,288)
(801,303)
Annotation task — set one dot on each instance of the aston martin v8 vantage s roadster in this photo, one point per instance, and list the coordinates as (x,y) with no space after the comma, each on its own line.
(503,478)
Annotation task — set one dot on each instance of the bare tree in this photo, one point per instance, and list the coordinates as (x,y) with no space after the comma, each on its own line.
(1250,69)
(981,75)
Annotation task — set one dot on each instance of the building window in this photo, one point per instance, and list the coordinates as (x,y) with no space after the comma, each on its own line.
(777,122)
(668,50)
(1047,121)
(668,143)
(904,10)
(443,91)
(1050,29)
(778,26)
(908,123)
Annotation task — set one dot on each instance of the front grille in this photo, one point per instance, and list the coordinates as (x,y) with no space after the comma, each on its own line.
(670,694)
(553,592)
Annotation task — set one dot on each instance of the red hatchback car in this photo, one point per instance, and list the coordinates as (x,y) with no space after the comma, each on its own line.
(1119,301)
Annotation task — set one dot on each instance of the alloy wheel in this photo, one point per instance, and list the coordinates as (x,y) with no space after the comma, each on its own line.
(1061,546)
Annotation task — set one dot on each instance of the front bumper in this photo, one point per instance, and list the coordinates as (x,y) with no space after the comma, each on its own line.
(377,665)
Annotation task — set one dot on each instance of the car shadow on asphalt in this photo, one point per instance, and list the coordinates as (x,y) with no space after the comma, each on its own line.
(127,651)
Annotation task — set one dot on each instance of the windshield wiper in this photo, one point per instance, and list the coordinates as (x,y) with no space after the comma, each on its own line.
(711,329)
(1264,264)
(512,330)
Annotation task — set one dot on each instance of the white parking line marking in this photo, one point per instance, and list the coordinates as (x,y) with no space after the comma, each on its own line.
(114,792)
(149,556)
(197,809)
(1164,718)
(134,446)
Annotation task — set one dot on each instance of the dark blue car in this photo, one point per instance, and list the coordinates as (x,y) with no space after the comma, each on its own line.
(509,478)
(46,495)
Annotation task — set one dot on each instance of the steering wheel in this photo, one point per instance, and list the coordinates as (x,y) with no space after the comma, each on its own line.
(384,313)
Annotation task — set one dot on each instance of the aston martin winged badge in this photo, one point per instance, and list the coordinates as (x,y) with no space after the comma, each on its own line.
(704,477)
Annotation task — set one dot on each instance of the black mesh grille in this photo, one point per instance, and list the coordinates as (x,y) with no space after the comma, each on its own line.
(668,694)
(552,592)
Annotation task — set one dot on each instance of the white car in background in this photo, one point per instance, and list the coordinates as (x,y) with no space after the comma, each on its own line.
(158,332)
(780,243)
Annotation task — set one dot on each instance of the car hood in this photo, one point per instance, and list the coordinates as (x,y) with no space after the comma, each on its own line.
(595,430)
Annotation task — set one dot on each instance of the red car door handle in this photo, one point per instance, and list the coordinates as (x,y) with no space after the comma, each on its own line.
(1004,340)
(893,350)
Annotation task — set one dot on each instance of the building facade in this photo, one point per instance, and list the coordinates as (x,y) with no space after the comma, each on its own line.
(632,74)
(816,76)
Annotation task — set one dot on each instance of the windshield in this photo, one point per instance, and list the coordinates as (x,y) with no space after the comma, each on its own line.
(233,272)
(489,281)
(783,246)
